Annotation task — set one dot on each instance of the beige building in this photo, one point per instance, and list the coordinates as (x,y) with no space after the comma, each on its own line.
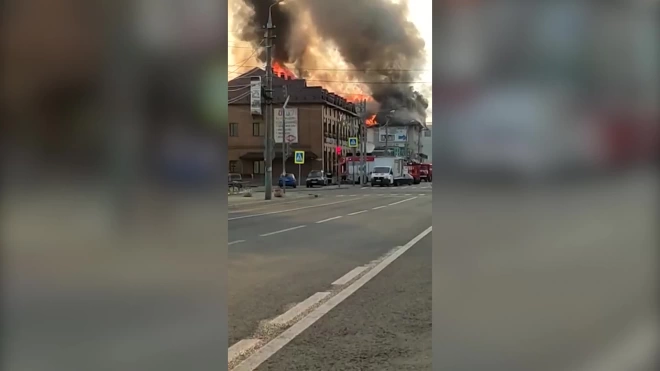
(325,121)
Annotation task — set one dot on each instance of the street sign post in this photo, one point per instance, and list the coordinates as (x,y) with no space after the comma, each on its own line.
(353,142)
(299,157)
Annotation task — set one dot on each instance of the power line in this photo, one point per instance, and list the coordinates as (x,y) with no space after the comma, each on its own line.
(241,87)
(349,69)
(236,99)
(247,59)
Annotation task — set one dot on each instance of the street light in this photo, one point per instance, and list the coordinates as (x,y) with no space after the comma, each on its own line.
(387,134)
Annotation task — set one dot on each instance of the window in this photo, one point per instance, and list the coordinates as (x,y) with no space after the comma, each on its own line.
(232,166)
(233,129)
(427,133)
(258,129)
(258,167)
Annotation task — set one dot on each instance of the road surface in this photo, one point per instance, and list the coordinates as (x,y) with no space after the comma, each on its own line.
(281,255)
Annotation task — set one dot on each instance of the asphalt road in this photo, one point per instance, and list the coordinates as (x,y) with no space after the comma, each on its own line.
(385,326)
(282,254)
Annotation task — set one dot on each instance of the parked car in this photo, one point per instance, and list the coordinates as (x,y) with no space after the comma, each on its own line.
(316,177)
(288,180)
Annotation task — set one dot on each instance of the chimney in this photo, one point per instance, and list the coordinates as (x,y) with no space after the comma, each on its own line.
(288,77)
(282,76)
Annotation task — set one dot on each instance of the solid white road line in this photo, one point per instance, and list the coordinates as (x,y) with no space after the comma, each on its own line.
(285,211)
(358,212)
(329,219)
(241,348)
(402,201)
(237,241)
(349,276)
(262,354)
(282,231)
(288,316)
(378,207)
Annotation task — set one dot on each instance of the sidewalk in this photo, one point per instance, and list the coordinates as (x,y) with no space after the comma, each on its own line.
(258,198)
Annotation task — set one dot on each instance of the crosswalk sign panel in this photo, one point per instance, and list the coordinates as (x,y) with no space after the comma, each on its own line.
(299,157)
(353,142)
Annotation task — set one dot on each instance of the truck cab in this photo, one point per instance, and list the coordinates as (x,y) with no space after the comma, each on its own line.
(382,176)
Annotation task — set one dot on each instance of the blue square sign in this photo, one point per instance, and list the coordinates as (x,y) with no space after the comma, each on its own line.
(353,142)
(299,157)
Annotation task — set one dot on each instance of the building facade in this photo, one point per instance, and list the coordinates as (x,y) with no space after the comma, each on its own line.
(401,140)
(325,121)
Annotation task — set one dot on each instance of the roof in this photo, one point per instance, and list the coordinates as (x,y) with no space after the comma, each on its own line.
(299,92)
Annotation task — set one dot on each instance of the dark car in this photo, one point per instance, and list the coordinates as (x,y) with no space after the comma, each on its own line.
(316,178)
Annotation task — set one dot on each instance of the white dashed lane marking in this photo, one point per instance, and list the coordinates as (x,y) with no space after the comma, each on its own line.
(282,231)
(329,219)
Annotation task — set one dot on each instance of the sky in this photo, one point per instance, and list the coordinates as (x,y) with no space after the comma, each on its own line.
(420,14)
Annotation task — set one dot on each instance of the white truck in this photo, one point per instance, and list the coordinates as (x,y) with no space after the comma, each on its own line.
(390,171)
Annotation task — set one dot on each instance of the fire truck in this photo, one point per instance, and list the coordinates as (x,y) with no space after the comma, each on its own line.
(426,172)
(415,170)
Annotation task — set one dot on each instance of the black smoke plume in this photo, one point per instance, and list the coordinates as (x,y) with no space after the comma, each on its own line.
(374,36)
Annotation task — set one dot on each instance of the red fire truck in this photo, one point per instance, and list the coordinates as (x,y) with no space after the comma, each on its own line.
(426,172)
(414,169)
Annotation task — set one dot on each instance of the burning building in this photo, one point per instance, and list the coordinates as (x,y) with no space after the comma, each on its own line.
(323,124)
(371,52)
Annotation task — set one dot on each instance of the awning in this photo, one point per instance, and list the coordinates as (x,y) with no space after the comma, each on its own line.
(259,156)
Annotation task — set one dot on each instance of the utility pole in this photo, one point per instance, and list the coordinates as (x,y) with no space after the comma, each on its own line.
(270,132)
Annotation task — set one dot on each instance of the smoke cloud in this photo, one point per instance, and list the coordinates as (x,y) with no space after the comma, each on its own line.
(374,37)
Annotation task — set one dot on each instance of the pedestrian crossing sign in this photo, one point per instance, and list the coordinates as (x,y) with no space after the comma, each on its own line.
(299,157)
(353,142)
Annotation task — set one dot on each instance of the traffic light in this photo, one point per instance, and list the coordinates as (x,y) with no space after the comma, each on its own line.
(338,150)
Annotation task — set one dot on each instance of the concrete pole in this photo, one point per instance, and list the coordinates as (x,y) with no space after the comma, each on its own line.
(268,156)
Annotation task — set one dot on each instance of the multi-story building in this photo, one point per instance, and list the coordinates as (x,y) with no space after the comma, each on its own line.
(325,121)
(399,139)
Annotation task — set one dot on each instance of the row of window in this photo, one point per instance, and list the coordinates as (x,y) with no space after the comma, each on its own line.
(258,129)
(333,112)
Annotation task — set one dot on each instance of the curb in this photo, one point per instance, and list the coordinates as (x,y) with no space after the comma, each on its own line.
(265,202)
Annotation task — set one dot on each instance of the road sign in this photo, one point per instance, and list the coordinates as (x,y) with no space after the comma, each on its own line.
(353,142)
(299,157)
(290,138)
(290,117)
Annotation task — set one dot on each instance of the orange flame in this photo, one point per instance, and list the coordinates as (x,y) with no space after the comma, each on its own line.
(280,69)
(355,98)
(371,121)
